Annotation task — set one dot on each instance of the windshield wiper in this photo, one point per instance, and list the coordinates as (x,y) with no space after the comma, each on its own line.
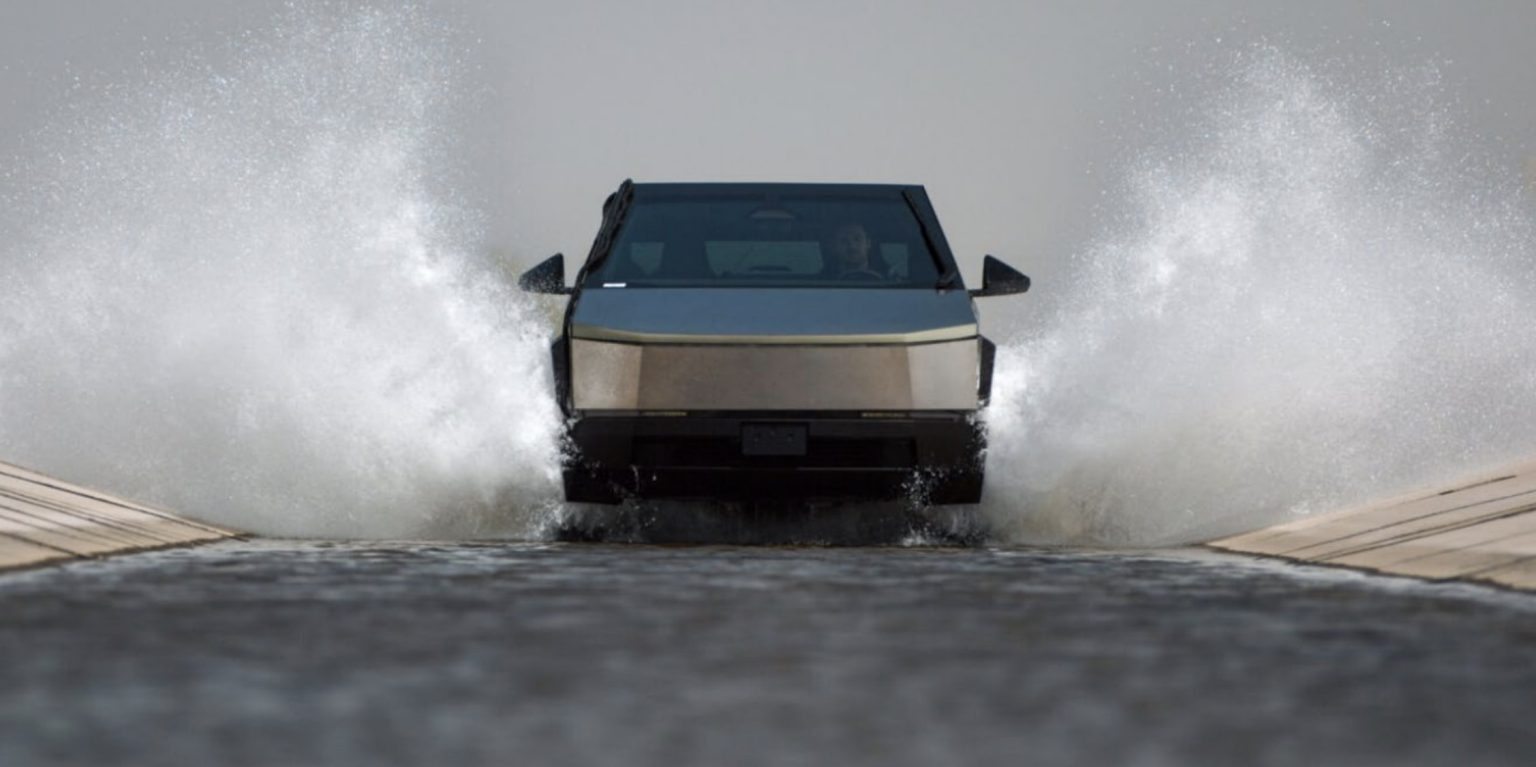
(947,274)
(614,209)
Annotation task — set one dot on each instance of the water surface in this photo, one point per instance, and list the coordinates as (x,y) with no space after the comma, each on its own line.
(308,652)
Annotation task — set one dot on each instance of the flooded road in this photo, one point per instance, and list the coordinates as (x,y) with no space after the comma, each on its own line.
(276,652)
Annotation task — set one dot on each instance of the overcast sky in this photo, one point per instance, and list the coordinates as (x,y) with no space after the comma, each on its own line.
(1016,115)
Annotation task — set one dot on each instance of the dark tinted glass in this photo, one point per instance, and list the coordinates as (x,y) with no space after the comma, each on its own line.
(777,240)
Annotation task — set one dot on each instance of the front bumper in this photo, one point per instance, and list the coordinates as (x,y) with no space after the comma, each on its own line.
(777,456)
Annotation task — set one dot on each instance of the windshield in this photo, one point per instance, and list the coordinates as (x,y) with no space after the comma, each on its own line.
(697,240)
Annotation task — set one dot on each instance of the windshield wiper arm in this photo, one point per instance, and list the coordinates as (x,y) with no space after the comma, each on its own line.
(947,274)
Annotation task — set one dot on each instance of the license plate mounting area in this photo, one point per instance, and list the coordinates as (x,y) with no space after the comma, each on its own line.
(773,439)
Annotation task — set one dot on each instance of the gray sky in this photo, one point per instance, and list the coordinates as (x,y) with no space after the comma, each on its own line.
(1016,115)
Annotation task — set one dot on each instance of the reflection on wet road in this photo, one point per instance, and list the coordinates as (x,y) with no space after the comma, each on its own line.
(304,652)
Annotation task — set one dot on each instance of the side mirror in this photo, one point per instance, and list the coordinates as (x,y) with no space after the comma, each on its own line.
(547,277)
(1000,279)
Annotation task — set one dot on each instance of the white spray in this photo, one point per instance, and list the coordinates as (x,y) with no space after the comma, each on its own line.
(1314,296)
(243,292)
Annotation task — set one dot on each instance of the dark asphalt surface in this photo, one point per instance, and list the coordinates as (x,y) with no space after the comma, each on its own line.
(275,653)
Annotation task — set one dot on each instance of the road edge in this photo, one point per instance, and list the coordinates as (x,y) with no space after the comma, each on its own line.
(46,521)
(1481,528)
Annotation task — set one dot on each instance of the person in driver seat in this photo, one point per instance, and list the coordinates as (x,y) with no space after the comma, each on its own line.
(850,253)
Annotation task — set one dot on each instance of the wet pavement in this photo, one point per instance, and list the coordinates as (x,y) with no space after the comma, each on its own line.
(280,652)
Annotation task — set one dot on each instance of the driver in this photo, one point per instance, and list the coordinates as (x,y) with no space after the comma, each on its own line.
(850,253)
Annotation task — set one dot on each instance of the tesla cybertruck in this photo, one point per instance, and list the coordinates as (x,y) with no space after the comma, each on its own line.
(745,342)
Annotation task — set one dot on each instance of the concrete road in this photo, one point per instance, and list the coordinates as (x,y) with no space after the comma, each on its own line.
(268,653)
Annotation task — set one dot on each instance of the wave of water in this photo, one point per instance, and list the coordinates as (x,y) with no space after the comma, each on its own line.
(246,291)
(242,290)
(1315,292)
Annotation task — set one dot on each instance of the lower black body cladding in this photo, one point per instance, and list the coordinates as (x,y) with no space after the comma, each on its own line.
(744,457)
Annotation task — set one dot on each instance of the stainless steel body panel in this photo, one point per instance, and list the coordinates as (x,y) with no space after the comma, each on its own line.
(709,377)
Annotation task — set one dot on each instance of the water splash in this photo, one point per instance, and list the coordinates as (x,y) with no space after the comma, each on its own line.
(1316,294)
(246,291)
(243,291)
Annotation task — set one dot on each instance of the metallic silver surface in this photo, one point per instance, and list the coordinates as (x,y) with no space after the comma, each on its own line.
(939,376)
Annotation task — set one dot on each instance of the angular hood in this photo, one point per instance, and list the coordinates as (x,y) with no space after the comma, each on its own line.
(773,315)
